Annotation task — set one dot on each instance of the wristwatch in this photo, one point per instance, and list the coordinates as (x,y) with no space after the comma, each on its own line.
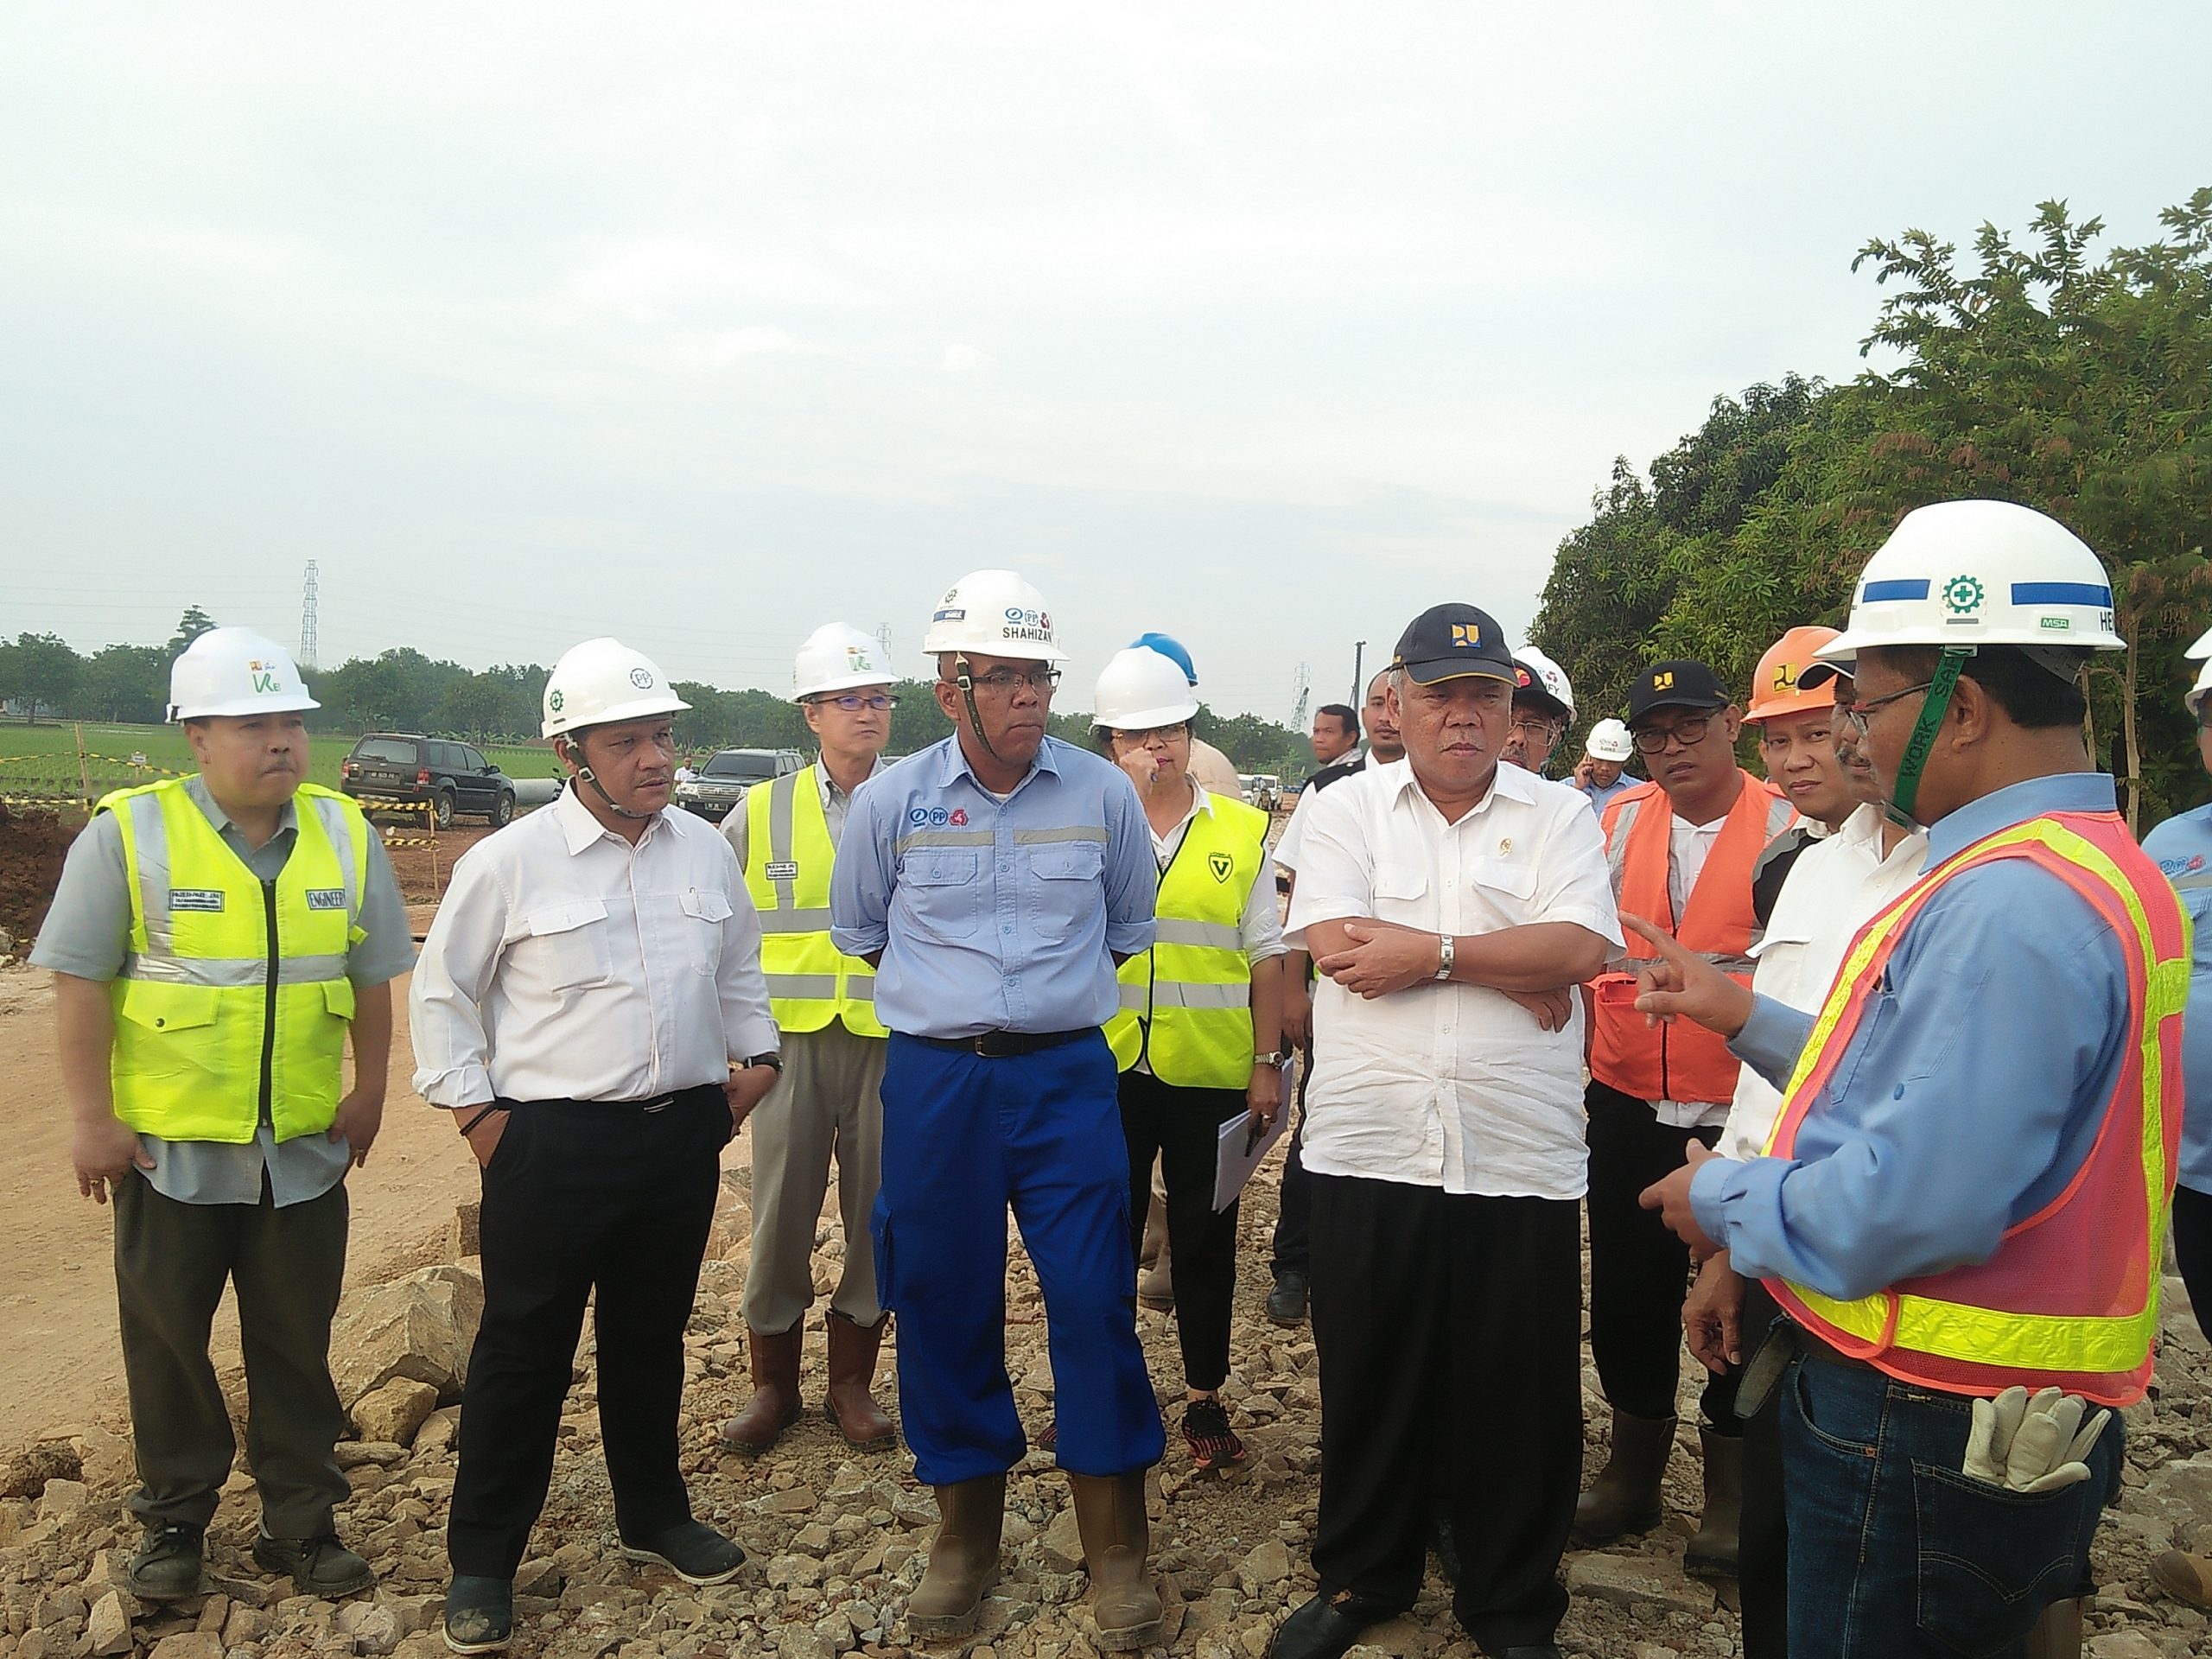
(772,1060)
(1273,1057)
(1444,950)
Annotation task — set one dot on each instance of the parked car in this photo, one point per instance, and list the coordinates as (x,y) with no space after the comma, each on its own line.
(721,783)
(450,777)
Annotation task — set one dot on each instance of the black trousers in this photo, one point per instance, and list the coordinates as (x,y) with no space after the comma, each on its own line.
(2193,1248)
(1293,1248)
(1182,1126)
(1763,1565)
(584,1197)
(1639,1271)
(171,1262)
(1450,1335)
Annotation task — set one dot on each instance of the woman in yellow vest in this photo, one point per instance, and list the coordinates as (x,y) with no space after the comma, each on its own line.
(1198,1036)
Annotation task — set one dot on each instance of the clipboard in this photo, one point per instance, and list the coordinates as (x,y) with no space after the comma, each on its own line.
(1241,1146)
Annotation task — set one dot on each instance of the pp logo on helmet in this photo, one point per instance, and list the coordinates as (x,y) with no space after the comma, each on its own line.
(642,678)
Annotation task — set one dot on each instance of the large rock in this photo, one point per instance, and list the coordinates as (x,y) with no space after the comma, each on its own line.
(24,1473)
(419,1327)
(190,1644)
(1628,1579)
(108,1629)
(393,1413)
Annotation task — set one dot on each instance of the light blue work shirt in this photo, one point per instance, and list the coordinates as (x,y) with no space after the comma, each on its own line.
(1968,1095)
(2182,846)
(1599,798)
(991,916)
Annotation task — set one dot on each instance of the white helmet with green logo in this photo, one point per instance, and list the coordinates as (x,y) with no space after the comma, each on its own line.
(1980,573)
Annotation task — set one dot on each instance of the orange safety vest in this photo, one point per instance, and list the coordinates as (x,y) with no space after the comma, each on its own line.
(1679,1061)
(2070,1299)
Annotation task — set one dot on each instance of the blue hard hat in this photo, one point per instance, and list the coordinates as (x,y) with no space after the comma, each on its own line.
(1171,649)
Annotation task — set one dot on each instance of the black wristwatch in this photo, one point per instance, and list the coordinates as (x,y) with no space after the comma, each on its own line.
(772,1060)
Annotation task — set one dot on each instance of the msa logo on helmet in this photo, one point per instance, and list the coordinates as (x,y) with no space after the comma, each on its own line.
(641,679)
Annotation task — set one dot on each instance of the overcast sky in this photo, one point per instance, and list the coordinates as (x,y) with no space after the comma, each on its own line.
(1267,325)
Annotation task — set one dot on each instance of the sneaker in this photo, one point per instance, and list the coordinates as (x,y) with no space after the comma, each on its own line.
(480,1614)
(319,1566)
(167,1566)
(1287,1301)
(1206,1431)
(696,1552)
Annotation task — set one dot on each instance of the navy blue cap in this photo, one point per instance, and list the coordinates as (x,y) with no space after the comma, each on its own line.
(1451,642)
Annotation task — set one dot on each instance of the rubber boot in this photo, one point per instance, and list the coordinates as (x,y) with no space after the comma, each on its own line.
(1624,1497)
(1155,1260)
(850,1402)
(1712,1551)
(963,1561)
(1109,1517)
(2057,1634)
(774,1406)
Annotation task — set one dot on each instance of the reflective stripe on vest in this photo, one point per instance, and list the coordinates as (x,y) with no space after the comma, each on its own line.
(788,859)
(1679,1060)
(2070,1298)
(1187,1002)
(201,978)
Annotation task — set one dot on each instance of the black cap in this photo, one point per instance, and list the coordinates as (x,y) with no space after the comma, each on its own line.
(1449,642)
(1675,684)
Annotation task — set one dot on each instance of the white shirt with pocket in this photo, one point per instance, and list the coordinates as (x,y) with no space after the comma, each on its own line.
(567,964)
(1449,1085)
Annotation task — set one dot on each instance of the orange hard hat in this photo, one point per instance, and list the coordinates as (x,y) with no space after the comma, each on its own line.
(1774,683)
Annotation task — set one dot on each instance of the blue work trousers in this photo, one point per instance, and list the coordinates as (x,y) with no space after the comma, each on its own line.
(964,1137)
(1894,1551)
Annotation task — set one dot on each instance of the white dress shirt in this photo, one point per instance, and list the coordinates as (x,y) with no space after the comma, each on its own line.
(1453,1085)
(1833,890)
(567,964)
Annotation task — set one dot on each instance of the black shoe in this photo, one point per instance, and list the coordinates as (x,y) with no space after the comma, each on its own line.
(1328,1627)
(319,1566)
(1446,1548)
(1287,1301)
(167,1566)
(696,1552)
(480,1614)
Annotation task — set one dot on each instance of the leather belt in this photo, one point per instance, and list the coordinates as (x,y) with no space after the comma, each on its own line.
(1007,1044)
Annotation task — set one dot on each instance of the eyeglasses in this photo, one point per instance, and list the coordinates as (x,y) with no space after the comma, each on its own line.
(1855,713)
(1166,733)
(1688,732)
(852,703)
(1537,729)
(1004,682)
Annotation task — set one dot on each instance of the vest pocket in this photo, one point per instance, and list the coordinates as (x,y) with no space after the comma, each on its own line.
(165,1008)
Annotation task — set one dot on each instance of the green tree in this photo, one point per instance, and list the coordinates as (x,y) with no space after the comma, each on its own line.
(39,670)
(124,683)
(189,627)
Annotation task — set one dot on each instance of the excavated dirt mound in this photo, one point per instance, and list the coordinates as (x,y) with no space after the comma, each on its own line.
(32,846)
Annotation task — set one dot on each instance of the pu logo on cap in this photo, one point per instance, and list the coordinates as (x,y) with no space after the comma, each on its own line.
(1465,636)
(1663,681)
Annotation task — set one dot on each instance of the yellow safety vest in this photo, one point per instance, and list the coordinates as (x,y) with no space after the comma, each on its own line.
(234,991)
(1186,1003)
(788,856)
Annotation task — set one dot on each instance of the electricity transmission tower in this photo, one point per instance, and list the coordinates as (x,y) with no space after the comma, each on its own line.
(310,647)
(1303,684)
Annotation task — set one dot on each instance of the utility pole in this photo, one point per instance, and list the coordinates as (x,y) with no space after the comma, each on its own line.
(1359,658)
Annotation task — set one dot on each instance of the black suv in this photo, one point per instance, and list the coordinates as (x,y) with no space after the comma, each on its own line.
(453,778)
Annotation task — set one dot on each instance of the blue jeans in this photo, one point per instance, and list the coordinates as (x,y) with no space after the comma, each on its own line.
(964,1139)
(1893,1551)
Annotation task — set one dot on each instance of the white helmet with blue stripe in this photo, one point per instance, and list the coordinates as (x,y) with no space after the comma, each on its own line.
(1963,574)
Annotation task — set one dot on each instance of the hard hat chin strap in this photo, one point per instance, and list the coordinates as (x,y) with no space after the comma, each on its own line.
(1933,707)
(965,679)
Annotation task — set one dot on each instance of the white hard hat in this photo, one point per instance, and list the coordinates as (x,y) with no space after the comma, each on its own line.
(996,614)
(837,658)
(1608,740)
(2196,695)
(602,682)
(2203,647)
(1545,677)
(235,672)
(1980,573)
(1141,689)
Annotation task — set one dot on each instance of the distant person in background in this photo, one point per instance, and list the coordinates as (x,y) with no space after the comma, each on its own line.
(1383,744)
(1543,708)
(1602,774)
(1335,743)
(216,942)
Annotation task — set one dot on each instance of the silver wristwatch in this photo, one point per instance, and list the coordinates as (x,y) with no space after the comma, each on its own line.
(1444,952)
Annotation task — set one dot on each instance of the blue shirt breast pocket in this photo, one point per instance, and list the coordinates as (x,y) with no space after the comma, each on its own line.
(1063,890)
(939,894)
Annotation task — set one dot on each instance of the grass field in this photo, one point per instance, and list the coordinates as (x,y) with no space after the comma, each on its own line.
(38,762)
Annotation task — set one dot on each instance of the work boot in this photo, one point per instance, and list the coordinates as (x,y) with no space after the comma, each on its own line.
(167,1566)
(850,1402)
(1624,1497)
(774,1406)
(1287,1301)
(1156,1277)
(1110,1517)
(319,1566)
(2057,1634)
(480,1614)
(2184,1577)
(963,1561)
(692,1550)
(1712,1551)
